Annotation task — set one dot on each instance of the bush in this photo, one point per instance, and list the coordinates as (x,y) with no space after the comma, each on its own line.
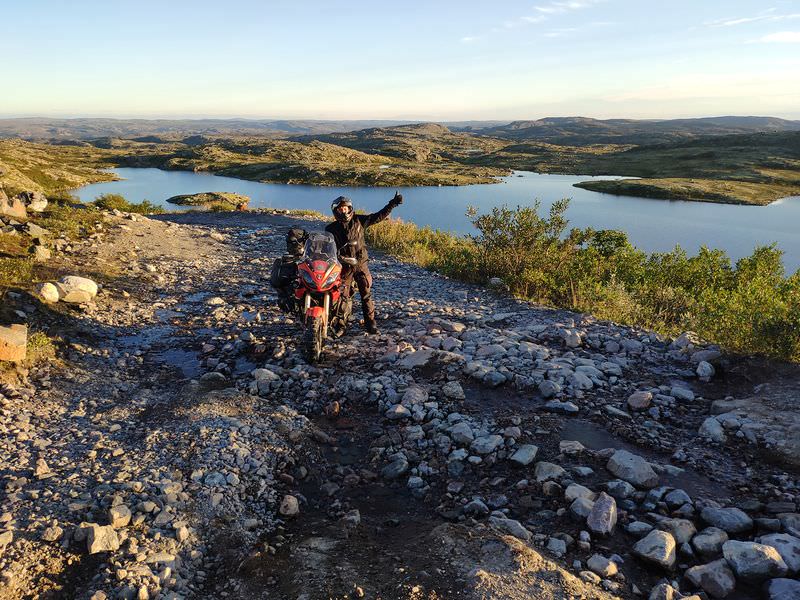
(118,202)
(751,307)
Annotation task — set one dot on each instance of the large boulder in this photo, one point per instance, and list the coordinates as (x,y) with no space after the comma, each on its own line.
(730,520)
(603,517)
(753,562)
(715,578)
(34,201)
(12,207)
(76,290)
(13,342)
(782,589)
(633,469)
(102,538)
(788,546)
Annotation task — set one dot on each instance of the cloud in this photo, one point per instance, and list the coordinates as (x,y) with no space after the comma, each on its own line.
(553,8)
(557,33)
(764,17)
(468,39)
(781,37)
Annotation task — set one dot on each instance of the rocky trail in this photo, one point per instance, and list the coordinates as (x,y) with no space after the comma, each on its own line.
(481,447)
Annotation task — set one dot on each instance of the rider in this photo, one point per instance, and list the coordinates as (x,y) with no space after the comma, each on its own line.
(348,231)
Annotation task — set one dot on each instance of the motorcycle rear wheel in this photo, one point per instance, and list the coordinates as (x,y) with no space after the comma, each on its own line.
(313,337)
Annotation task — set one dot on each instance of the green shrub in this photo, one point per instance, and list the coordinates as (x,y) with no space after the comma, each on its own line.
(118,202)
(749,307)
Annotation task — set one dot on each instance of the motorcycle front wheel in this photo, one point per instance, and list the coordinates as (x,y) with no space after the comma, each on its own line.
(313,337)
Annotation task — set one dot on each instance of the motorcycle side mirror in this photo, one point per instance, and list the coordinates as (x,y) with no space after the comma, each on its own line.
(348,260)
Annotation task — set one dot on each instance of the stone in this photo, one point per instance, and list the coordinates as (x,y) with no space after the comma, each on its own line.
(657,547)
(705,370)
(34,201)
(753,562)
(715,578)
(712,429)
(548,388)
(782,589)
(576,490)
(290,506)
(572,338)
(638,529)
(119,516)
(102,538)
(461,433)
(396,468)
(709,542)
(525,454)
(681,529)
(590,577)
(415,395)
(476,508)
(683,394)
(398,411)
(545,471)
(453,390)
(46,292)
(76,290)
(640,400)
(633,469)
(41,254)
(557,546)
(603,518)
(511,527)
(602,566)
(486,444)
(581,508)
(12,207)
(564,408)
(730,520)
(13,342)
(788,546)
(418,358)
(52,534)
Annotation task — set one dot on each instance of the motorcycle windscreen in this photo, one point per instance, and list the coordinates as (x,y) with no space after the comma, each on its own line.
(320,246)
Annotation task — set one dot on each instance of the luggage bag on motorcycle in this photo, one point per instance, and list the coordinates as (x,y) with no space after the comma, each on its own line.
(284,272)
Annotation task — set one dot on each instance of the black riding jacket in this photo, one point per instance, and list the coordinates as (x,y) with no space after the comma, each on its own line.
(353,231)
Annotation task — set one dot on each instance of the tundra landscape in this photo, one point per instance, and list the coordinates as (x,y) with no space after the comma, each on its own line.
(570,388)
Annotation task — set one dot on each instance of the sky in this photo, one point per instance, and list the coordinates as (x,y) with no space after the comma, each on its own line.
(415,60)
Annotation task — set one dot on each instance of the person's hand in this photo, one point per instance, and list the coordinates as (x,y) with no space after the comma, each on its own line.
(397,200)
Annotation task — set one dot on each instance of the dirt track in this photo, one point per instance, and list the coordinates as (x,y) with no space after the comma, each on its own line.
(155,404)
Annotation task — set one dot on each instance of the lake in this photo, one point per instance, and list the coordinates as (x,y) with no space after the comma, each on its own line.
(652,225)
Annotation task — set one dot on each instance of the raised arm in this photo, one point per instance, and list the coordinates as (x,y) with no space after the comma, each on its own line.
(377,217)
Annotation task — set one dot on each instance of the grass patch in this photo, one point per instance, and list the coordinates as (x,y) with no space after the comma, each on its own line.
(40,348)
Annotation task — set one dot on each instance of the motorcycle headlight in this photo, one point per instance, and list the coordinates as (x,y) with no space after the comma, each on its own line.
(330,279)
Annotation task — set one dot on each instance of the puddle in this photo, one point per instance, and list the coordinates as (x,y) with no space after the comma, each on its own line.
(197,297)
(184,360)
(595,437)
(243,366)
(144,338)
(165,314)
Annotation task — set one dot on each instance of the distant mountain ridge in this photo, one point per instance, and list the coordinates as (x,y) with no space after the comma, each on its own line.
(580,131)
(573,131)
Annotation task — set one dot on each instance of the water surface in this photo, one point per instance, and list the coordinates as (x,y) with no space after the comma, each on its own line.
(652,225)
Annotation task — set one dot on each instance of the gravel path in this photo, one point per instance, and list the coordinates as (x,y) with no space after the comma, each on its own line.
(180,447)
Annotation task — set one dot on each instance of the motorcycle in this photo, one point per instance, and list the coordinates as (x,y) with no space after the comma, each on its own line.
(318,298)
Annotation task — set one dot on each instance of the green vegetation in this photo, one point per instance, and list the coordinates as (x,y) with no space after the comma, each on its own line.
(749,307)
(745,168)
(40,347)
(52,169)
(118,202)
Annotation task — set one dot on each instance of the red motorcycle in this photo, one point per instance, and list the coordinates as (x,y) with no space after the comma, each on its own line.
(318,295)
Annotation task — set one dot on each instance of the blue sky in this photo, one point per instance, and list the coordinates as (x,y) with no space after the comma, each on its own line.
(433,59)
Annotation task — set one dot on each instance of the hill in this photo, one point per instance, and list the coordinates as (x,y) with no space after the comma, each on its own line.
(170,130)
(582,131)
